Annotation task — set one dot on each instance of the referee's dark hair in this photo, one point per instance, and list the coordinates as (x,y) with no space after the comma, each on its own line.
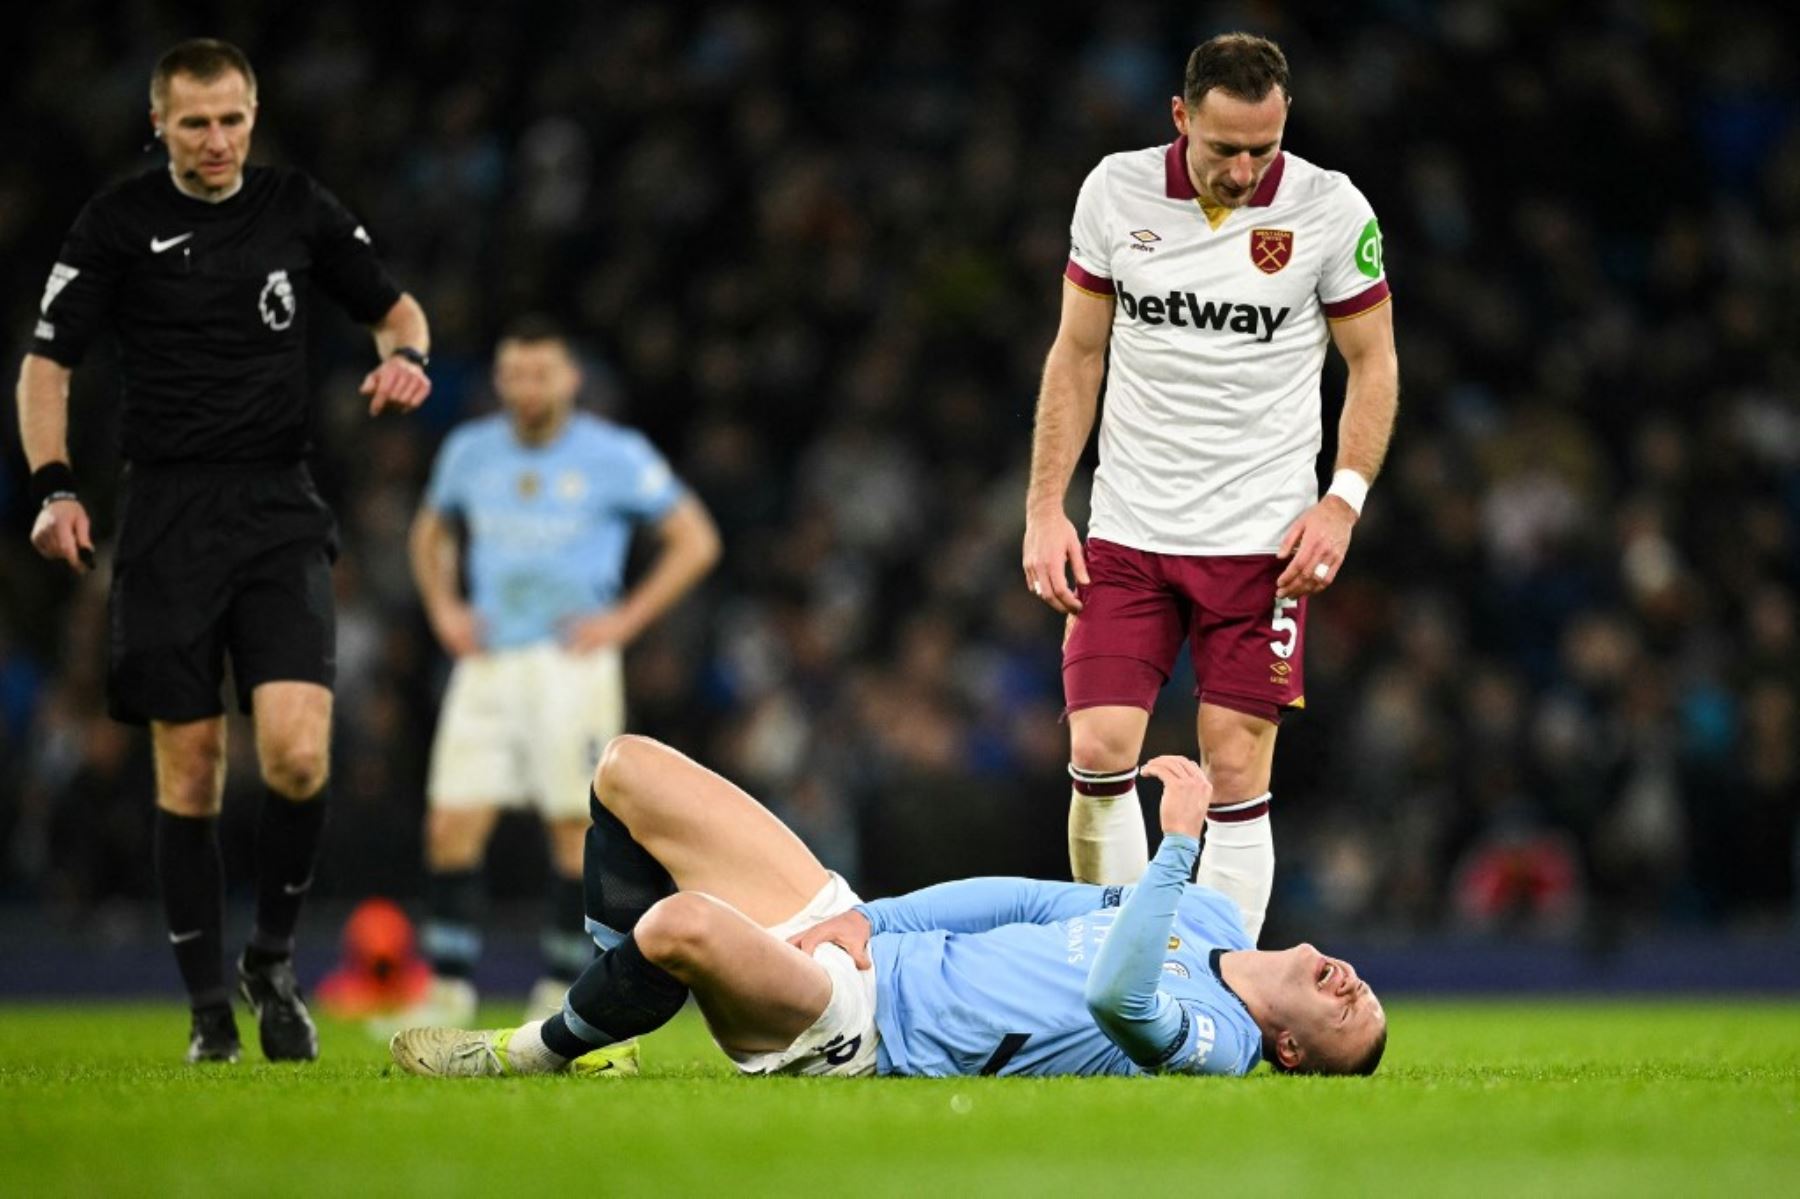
(534,329)
(205,59)
(1239,64)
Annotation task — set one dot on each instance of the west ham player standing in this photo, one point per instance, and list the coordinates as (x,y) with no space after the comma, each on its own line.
(1214,267)
(550,497)
(202,269)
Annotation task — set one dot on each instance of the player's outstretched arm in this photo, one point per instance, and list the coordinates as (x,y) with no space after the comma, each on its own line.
(1123,991)
(61,531)
(1065,417)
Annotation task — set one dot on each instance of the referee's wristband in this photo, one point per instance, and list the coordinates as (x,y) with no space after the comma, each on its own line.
(1350,487)
(412,354)
(51,482)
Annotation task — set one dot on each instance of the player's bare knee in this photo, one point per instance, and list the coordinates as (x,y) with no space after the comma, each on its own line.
(190,770)
(677,931)
(296,772)
(452,840)
(1101,748)
(618,778)
(194,798)
(568,847)
(1237,773)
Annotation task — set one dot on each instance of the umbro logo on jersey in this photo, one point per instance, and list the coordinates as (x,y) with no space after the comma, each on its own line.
(1141,239)
(159,244)
(1184,309)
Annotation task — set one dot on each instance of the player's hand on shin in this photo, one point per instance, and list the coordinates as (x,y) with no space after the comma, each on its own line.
(1315,547)
(1052,550)
(397,383)
(1187,793)
(62,534)
(458,628)
(849,931)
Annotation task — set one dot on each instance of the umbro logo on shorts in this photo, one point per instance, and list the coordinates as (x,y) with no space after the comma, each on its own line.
(1185,310)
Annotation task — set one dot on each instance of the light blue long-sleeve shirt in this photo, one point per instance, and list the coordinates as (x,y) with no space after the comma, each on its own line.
(1016,976)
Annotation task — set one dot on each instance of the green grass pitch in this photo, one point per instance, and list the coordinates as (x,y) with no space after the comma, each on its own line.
(1514,1098)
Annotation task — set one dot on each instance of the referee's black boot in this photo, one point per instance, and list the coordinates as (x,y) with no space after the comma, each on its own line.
(282,1021)
(214,1036)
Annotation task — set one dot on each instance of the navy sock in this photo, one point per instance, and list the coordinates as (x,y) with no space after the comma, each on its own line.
(192,882)
(567,947)
(622,995)
(288,833)
(620,877)
(451,938)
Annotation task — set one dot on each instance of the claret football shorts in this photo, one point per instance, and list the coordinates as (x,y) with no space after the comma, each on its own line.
(1139,606)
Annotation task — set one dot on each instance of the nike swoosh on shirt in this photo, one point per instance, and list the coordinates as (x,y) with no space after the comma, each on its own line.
(159,244)
(300,889)
(179,938)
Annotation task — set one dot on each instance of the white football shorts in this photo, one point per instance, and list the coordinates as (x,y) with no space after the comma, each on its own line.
(525,728)
(842,1040)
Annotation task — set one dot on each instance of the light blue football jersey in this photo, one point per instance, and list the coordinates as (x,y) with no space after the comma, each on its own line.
(995,976)
(550,525)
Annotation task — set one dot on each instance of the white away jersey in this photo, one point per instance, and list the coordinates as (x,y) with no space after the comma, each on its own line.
(1211,430)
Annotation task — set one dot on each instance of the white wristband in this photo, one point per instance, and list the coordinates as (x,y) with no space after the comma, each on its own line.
(1350,487)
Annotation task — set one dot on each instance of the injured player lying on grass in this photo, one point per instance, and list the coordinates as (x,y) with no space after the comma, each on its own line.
(693,886)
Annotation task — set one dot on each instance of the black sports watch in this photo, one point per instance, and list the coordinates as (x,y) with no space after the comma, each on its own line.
(418,358)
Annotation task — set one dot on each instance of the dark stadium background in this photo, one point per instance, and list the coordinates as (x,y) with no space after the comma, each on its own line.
(813,250)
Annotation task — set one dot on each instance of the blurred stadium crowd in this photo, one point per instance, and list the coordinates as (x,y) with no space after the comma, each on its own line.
(815,254)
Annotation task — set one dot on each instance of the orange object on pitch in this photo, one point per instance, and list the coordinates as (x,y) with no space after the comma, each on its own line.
(380,971)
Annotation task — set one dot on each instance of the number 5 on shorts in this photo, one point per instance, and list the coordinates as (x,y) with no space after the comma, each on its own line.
(1286,625)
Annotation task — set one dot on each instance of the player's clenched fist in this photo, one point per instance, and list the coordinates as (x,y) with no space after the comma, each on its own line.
(1187,793)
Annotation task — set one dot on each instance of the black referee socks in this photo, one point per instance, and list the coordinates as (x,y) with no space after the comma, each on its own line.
(192,882)
(288,833)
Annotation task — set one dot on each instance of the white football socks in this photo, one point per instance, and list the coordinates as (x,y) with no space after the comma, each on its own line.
(1238,858)
(526,1052)
(1107,841)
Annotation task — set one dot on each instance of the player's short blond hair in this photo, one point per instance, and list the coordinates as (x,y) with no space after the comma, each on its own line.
(204,59)
(1238,64)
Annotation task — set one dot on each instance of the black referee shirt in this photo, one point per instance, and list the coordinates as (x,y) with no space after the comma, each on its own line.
(209,302)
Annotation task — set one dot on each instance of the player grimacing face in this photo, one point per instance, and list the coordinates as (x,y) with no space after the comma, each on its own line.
(1231,142)
(206,127)
(537,382)
(1325,1010)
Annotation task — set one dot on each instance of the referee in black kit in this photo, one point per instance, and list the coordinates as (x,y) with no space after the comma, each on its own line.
(224,546)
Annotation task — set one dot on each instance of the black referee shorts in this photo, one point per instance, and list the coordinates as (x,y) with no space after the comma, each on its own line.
(216,562)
